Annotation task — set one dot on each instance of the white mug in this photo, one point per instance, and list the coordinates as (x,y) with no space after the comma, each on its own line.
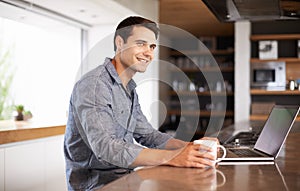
(214,145)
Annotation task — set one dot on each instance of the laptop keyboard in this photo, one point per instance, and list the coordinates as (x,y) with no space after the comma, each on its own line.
(243,138)
(245,153)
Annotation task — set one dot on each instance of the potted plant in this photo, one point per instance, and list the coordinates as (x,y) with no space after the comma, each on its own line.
(27,115)
(20,110)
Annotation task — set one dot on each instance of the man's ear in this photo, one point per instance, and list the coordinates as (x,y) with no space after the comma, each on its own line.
(119,42)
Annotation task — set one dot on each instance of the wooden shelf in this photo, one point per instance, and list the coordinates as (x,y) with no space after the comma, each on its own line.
(202,52)
(201,113)
(292,68)
(288,59)
(195,64)
(275,37)
(264,118)
(266,92)
(206,93)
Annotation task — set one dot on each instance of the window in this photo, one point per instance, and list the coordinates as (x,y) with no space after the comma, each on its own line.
(46,56)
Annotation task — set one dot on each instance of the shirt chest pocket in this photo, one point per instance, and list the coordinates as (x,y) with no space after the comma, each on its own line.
(122,115)
(125,125)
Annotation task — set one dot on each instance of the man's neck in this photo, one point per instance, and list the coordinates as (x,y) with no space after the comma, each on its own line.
(125,74)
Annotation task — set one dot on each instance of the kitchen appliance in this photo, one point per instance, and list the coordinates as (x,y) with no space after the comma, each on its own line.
(254,10)
(268,75)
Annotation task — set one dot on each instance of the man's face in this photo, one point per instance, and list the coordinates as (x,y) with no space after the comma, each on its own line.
(138,51)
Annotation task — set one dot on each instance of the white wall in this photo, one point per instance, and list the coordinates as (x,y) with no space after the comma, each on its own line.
(147,87)
(242,70)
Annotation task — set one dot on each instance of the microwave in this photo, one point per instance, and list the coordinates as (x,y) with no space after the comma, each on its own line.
(268,75)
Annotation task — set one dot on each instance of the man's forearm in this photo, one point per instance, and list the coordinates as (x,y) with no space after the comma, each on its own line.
(175,144)
(153,157)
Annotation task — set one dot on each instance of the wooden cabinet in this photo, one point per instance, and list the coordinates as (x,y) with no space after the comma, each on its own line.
(33,165)
(287,36)
(1,169)
(24,167)
(55,165)
(202,88)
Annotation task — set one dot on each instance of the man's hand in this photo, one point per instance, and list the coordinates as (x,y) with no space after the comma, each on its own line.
(189,156)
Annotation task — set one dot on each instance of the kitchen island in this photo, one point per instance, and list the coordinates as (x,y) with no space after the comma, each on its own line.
(282,175)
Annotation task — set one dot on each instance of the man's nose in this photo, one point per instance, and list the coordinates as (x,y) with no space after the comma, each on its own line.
(148,50)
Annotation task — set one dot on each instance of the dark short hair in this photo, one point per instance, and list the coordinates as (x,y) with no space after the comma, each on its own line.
(124,29)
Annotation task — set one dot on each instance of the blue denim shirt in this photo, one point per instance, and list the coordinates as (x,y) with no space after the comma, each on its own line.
(103,120)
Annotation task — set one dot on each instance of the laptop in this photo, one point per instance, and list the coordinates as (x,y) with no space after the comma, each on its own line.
(271,138)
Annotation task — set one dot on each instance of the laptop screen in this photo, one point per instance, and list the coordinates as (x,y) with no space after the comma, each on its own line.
(276,129)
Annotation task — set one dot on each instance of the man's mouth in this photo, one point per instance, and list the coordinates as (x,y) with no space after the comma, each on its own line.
(143,60)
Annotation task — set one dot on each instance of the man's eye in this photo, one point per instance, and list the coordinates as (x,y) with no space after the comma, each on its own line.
(152,47)
(140,44)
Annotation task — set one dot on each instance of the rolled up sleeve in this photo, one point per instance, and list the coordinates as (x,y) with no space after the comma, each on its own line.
(145,134)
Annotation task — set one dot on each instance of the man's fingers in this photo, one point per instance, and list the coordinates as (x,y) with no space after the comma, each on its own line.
(203,162)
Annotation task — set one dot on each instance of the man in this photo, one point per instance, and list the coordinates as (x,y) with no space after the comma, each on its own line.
(105,117)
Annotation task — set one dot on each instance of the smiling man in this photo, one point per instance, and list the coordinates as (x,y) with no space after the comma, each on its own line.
(105,117)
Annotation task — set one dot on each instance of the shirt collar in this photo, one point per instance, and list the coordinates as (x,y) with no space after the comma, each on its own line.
(113,73)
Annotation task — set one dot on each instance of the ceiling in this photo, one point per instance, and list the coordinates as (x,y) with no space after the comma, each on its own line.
(190,15)
(89,12)
(194,17)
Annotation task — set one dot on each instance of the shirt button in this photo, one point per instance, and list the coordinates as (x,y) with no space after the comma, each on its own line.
(121,171)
